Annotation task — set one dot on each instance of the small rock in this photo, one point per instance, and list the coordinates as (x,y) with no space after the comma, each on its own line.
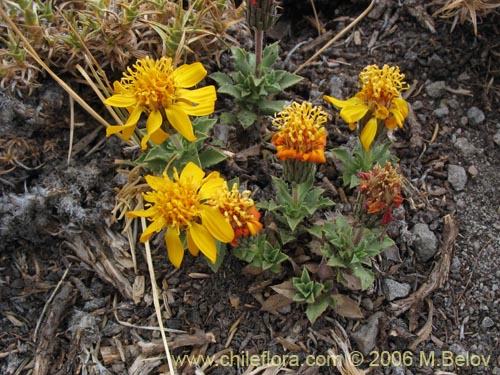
(417,104)
(465,147)
(464,120)
(473,171)
(366,336)
(436,61)
(456,265)
(441,112)
(458,349)
(487,322)
(425,242)
(457,177)
(475,115)
(367,303)
(496,371)
(393,289)
(496,138)
(435,89)
(453,103)
(335,84)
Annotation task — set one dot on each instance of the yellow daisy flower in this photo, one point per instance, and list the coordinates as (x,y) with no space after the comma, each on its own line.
(159,90)
(301,133)
(378,99)
(182,204)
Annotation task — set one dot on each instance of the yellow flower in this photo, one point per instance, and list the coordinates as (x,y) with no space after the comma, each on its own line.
(239,210)
(378,99)
(181,204)
(159,90)
(301,133)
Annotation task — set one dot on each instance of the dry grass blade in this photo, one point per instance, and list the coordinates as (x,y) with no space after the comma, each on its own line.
(426,330)
(462,10)
(337,37)
(341,355)
(439,273)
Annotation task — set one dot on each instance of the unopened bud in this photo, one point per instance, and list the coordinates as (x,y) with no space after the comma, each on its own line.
(261,14)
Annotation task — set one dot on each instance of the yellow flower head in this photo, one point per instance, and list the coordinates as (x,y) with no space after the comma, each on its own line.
(159,90)
(239,210)
(378,99)
(182,204)
(301,133)
(381,188)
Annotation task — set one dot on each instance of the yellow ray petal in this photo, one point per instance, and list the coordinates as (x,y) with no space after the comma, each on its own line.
(139,213)
(121,100)
(336,102)
(192,172)
(202,109)
(204,241)
(354,112)
(180,121)
(211,186)
(368,133)
(175,248)
(155,182)
(203,94)
(216,224)
(188,75)
(193,249)
(156,226)
(153,124)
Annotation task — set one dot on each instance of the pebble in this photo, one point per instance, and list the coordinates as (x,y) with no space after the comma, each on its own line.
(394,289)
(464,120)
(366,336)
(496,138)
(487,322)
(473,171)
(425,242)
(417,104)
(441,112)
(436,61)
(457,177)
(456,265)
(475,115)
(335,84)
(453,103)
(436,89)
(464,146)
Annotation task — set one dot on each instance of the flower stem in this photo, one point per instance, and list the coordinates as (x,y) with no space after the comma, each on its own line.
(259,42)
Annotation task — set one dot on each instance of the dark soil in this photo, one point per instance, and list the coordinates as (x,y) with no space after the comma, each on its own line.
(70,298)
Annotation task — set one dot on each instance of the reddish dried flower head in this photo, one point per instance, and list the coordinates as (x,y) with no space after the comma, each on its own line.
(381,188)
(239,210)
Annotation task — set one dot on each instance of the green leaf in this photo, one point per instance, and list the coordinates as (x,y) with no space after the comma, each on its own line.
(221,254)
(203,125)
(365,276)
(269,56)
(211,156)
(314,311)
(316,231)
(244,62)
(246,118)
(221,78)
(231,90)
(270,107)
(285,79)
(228,118)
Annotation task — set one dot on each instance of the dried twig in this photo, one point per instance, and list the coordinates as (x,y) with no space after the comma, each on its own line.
(439,273)
(337,37)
